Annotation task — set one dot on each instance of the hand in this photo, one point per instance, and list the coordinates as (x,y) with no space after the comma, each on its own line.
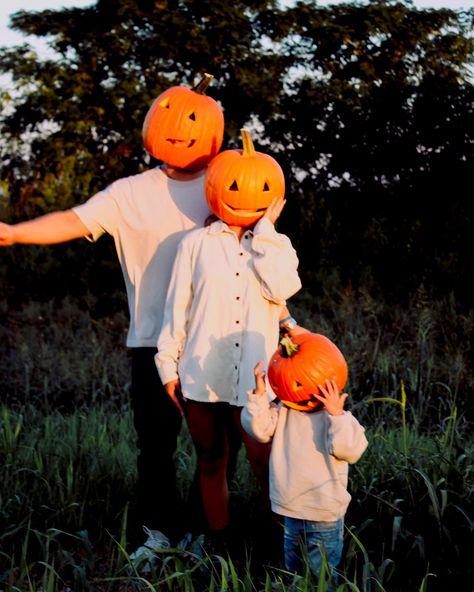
(173,390)
(274,209)
(331,399)
(260,386)
(6,235)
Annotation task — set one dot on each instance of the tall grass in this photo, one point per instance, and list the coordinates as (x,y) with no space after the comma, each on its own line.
(68,482)
(68,453)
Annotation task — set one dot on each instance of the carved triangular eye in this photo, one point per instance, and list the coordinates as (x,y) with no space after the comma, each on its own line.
(234,186)
(165,103)
(266,187)
(297,385)
(192,117)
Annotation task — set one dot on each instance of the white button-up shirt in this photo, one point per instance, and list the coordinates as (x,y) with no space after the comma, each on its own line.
(222,309)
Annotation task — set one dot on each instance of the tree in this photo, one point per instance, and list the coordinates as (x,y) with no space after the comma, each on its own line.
(379,127)
(74,124)
(368,107)
(114,59)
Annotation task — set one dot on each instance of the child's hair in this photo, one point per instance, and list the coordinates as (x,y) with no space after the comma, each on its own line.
(210,219)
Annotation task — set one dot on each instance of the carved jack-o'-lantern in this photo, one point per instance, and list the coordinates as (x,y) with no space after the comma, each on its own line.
(303,363)
(240,184)
(184,127)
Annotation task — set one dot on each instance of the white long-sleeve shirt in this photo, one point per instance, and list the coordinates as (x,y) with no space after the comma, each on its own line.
(309,457)
(222,309)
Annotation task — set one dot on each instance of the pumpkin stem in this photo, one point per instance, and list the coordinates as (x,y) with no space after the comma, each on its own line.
(205,82)
(288,348)
(247,144)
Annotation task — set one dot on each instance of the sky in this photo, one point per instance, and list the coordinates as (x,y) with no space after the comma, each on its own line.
(9,37)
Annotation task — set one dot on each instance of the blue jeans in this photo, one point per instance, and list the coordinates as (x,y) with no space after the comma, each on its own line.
(307,538)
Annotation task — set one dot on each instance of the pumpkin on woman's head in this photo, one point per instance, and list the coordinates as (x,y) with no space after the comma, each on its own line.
(302,364)
(241,184)
(184,127)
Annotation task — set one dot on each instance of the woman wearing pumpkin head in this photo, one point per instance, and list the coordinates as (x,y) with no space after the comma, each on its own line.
(313,441)
(229,285)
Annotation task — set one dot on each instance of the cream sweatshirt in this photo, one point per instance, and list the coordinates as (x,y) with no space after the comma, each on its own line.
(310,457)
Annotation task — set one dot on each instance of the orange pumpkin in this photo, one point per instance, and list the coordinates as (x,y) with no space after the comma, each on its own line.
(303,363)
(240,184)
(184,128)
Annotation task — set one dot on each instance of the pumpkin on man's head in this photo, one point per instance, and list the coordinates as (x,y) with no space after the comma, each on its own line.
(241,184)
(184,127)
(302,364)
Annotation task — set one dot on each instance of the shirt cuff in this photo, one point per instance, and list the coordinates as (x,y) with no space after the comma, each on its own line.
(264,226)
(257,403)
(167,372)
(339,418)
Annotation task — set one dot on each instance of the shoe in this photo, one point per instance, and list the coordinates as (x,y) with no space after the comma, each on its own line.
(197,547)
(184,543)
(145,557)
(211,543)
(192,546)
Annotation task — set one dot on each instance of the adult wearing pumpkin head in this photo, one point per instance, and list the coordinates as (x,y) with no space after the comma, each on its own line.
(147,215)
(228,290)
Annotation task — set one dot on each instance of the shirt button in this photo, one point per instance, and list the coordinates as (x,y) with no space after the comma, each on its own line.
(237,322)
(246,236)
(236,345)
(241,254)
(237,273)
(236,367)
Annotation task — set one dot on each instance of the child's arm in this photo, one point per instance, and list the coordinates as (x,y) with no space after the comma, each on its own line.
(275,259)
(259,417)
(346,436)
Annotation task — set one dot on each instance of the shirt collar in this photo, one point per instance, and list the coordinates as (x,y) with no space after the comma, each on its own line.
(219,226)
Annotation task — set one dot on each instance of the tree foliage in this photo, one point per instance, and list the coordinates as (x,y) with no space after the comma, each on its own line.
(369,108)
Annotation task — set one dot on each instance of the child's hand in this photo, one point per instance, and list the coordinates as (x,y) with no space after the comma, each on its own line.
(260,386)
(332,400)
(274,209)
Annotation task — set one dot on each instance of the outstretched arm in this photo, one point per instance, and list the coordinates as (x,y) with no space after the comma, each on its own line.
(57,227)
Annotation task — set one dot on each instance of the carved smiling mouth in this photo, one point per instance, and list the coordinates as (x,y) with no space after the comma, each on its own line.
(308,405)
(242,212)
(181,143)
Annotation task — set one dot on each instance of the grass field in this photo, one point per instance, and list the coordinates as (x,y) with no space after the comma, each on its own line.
(68,453)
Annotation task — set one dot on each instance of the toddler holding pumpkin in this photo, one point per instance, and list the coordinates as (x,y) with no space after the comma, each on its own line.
(229,285)
(313,441)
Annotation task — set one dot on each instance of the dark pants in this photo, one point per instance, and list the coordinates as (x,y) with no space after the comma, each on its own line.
(157,423)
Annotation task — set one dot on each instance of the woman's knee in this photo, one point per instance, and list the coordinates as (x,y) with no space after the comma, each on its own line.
(210,464)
